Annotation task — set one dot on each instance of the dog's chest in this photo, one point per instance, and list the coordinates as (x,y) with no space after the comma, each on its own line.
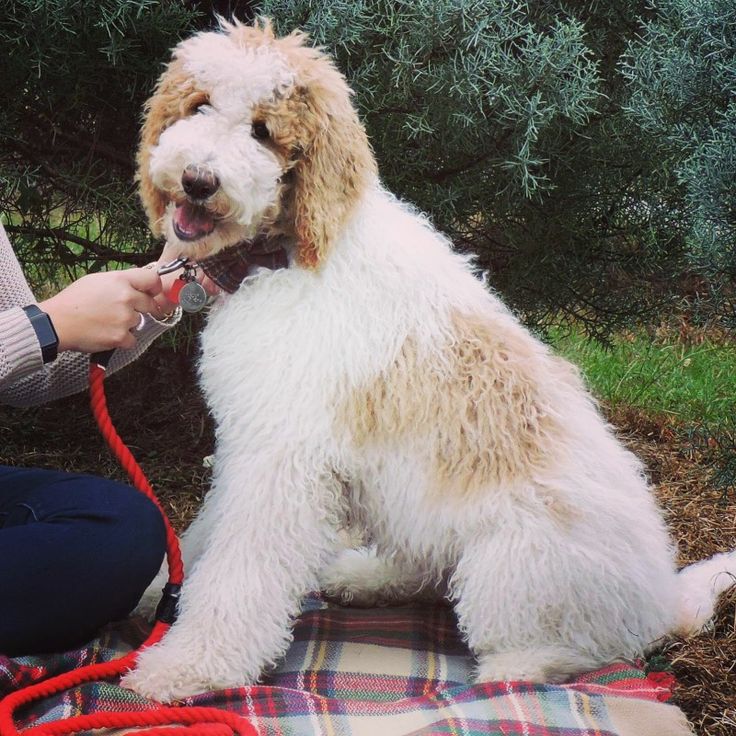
(274,352)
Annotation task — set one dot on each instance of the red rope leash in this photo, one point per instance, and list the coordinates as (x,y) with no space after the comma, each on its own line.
(125,457)
(195,721)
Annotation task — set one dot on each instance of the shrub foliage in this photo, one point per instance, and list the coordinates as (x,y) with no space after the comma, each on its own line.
(681,77)
(544,136)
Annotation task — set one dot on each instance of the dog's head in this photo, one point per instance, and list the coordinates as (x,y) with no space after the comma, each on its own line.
(248,133)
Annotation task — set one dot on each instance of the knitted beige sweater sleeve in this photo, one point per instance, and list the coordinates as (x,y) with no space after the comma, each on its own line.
(24,379)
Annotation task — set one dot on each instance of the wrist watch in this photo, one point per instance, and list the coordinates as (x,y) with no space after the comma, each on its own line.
(45,332)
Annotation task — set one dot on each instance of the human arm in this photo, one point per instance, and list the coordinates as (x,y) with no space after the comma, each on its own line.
(24,379)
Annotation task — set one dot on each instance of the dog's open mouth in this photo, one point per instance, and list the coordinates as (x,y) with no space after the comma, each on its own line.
(192,221)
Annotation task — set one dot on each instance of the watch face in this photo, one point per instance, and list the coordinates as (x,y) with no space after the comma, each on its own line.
(48,340)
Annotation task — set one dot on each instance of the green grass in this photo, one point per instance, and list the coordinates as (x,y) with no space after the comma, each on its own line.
(694,383)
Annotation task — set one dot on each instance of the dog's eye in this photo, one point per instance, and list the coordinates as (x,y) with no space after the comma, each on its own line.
(260,130)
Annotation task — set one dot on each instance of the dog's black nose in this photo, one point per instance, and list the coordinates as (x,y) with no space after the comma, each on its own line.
(199,182)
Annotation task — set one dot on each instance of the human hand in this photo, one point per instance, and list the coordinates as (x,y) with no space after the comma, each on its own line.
(98,311)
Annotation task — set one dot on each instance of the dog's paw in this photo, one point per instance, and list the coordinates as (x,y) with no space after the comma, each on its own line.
(508,668)
(345,595)
(166,676)
(356,578)
(544,664)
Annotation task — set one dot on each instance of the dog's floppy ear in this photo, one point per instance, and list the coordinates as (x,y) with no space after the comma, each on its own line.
(333,167)
(174,97)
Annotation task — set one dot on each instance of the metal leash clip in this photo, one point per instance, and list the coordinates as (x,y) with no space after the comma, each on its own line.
(172,266)
(186,290)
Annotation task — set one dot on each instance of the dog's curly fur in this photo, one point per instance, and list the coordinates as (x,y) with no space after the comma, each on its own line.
(379,377)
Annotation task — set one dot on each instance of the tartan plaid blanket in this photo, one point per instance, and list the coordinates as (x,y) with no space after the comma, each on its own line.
(390,671)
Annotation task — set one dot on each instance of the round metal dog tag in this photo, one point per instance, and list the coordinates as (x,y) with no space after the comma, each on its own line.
(192,297)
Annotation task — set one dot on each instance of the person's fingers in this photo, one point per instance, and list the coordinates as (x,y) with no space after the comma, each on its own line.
(127,341)
(144,279)
(168,281)
(164,304)
(144,303)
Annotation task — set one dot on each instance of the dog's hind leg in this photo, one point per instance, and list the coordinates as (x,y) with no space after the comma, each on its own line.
(360,577)
(538,607)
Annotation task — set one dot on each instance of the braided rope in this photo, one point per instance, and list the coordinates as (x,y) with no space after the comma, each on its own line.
(124,456)
(196,721)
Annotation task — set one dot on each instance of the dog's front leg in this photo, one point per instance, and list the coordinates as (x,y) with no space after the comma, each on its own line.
(268,535)
(193,542)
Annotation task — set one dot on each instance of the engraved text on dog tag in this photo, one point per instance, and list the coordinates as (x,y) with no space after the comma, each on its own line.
(192,297)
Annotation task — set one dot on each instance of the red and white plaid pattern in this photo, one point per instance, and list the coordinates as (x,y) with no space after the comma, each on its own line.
(388,671)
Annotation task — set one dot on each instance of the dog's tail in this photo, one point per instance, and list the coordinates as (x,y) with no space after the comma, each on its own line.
(700,586)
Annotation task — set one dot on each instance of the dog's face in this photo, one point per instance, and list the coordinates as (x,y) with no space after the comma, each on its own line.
(245,134)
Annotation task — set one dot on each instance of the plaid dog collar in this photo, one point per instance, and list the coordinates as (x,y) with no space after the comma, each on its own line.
(230,266)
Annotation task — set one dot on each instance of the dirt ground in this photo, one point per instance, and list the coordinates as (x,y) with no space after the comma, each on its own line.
(157,409)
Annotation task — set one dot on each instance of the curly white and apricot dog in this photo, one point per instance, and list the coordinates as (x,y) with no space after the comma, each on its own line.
(377,376)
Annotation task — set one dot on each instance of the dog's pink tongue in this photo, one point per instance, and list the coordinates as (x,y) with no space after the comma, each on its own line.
(192,222)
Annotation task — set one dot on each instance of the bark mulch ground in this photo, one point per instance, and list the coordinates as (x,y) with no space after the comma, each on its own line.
(703,522)
(157,409)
